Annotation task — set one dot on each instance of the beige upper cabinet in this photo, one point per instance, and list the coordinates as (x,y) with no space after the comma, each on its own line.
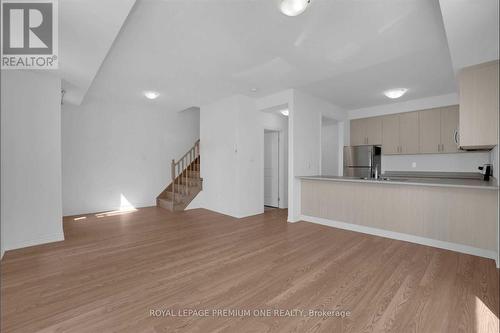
(358,136)
(400,134)
(430,131)
(390,135)
(438,130)
(479,106)
(449,129)
(374,130)
(366,131)
(418,132)
(408,133)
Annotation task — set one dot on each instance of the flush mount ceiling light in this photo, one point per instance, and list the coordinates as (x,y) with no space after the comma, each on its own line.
(293,7)
(151,94)
(395,93)
(285,112)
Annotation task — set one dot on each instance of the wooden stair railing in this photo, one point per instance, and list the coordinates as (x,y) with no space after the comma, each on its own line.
(183,168)
(186,181)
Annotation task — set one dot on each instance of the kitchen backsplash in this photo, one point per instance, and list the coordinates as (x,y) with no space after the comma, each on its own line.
(461,162)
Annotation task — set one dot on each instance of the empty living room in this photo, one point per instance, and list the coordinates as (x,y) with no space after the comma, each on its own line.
(249,166)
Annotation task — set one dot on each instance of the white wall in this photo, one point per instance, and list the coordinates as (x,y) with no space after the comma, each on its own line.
(278,122)
(250,158)
(30,159)
(329,147)
(112,149)
(305,142)
(232,141)
(460,162)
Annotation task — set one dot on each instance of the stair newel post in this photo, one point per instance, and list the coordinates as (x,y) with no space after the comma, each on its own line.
(172,170)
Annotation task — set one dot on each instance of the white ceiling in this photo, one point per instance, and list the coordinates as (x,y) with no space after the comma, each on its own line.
(345,51)
(87,29)
(472,30)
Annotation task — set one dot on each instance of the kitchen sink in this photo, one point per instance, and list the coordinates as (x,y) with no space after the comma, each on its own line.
(386,179)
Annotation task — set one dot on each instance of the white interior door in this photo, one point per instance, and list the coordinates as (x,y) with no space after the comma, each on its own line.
(271,169)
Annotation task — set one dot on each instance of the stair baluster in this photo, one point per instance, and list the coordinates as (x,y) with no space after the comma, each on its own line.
(186,182)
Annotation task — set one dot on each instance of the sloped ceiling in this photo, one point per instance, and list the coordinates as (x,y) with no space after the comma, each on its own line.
(87,30)
(472,29)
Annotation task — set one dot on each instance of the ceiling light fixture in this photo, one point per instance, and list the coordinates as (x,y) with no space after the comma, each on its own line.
(151,94)
(293,7)
(395,93)
(285,112)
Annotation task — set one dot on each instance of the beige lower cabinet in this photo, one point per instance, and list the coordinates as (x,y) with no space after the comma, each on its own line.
(463,216)
(438,130)
(400,134)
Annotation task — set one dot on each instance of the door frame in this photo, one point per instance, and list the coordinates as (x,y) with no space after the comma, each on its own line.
(280,164)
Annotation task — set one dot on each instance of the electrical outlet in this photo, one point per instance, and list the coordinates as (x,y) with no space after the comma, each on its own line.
(413,164)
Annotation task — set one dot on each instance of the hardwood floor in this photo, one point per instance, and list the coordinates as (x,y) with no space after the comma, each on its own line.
(111,271)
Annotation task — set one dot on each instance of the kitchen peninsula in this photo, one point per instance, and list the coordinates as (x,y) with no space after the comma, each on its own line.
(450,213)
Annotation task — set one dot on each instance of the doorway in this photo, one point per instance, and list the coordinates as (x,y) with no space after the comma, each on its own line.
(271,168)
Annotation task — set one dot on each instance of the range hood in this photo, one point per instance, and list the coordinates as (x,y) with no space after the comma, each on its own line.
(477,148)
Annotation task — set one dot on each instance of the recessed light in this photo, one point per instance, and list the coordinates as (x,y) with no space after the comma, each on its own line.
(253,90)
(151,94)
(395,93)
(293,7)
(285,112)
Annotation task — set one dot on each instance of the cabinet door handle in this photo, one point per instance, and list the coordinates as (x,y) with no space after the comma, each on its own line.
(455,137)
(439,147)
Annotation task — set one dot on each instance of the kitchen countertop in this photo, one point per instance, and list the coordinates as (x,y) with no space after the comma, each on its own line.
(432,181)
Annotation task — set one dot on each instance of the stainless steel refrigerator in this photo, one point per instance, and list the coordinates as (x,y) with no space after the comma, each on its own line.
(362,161)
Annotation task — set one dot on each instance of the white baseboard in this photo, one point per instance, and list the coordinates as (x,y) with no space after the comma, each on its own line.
(405,237)
(57,237)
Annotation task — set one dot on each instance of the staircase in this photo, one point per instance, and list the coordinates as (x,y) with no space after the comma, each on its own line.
(186,181)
